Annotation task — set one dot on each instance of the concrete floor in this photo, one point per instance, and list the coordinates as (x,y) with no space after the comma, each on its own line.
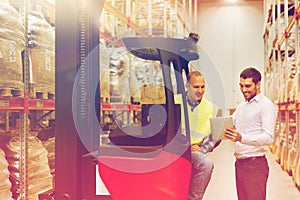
(222,185)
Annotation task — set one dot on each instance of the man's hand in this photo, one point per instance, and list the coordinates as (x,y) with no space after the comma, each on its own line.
(233,135)
(195,147)
(209,145)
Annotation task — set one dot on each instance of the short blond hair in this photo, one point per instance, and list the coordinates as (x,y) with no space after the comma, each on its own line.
(193,73)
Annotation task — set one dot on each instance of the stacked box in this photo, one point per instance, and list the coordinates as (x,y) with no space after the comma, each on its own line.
(12,41)
(153,94)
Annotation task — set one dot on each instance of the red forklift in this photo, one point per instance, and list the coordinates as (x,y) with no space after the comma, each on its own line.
(151,161)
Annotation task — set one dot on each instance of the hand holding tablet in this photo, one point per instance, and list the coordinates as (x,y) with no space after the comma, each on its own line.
(218,126)
(232,134)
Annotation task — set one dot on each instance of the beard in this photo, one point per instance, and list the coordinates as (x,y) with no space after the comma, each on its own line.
(249,95)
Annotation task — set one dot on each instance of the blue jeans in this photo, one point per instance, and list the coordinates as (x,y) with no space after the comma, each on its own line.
(202,168)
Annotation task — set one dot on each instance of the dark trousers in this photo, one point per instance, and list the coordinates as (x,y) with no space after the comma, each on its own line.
(251,178)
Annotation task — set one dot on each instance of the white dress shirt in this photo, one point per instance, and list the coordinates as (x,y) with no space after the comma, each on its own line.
(255,120)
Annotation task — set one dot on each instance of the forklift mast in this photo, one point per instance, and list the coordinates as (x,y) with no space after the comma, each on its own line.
(76,36)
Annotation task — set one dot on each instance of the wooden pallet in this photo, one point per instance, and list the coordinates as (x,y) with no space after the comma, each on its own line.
(43,95)
(37,92)
(10,92)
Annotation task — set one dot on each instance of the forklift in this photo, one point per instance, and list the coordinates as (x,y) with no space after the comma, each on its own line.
(143,162)
(137,163)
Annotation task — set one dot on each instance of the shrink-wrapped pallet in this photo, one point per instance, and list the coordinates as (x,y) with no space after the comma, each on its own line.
(123,80)
(47,136)
(5,184)
(12,41)
(104,74)
(119,74)
(50,146)
(39,178)
(135,90)
(150,81)
(42,55)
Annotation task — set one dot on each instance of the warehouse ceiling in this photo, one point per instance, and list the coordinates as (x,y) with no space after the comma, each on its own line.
(228,1)
(221,1)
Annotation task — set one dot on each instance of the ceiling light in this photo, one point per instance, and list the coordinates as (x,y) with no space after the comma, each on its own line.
(231,0)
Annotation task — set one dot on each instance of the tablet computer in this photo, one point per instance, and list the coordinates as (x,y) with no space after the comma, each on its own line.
(218,125)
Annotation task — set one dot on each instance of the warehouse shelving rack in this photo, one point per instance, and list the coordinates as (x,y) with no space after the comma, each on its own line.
(125,110)
(38,109)
(124,12)
(282,75)
(20,104)
(22,107)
